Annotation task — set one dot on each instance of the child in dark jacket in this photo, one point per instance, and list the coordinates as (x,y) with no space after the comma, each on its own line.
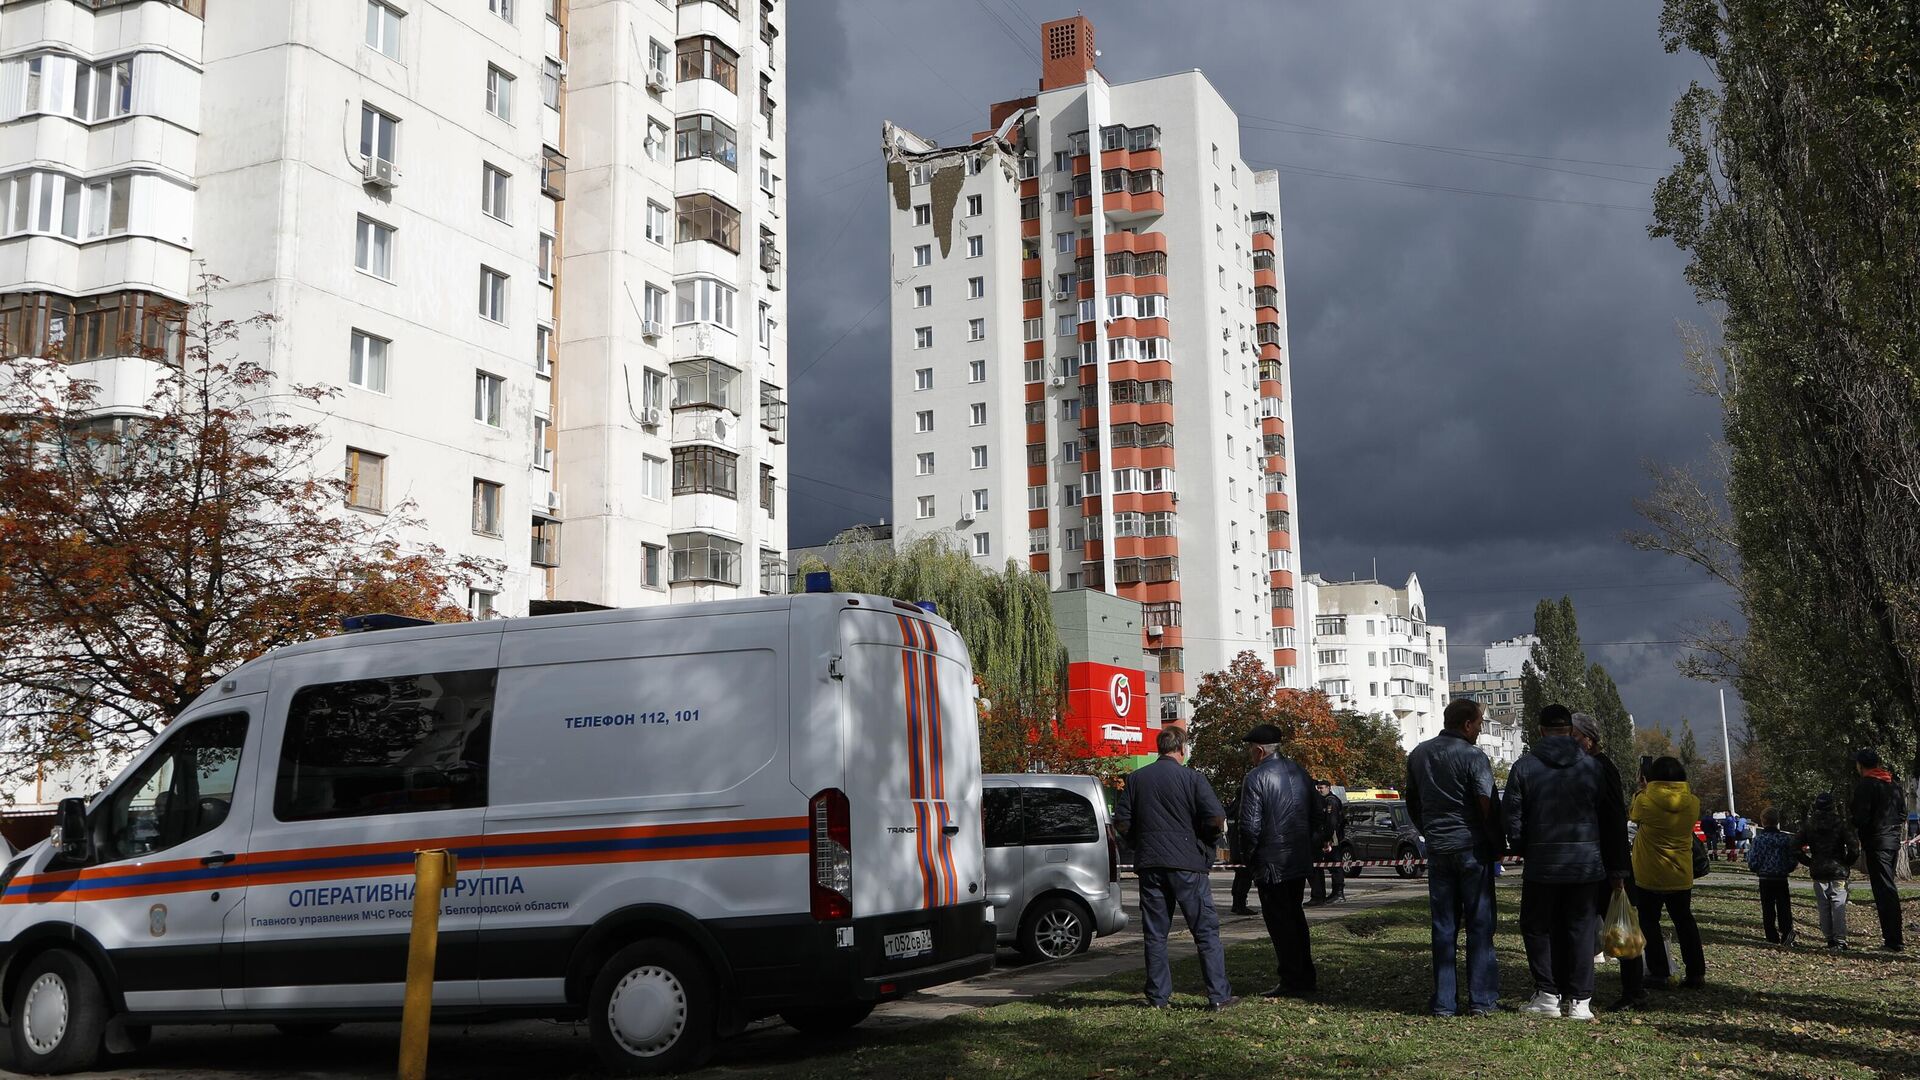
(1772,857)
(1829,852)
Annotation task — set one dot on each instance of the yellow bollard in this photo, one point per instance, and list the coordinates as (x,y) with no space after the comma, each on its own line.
(432,871)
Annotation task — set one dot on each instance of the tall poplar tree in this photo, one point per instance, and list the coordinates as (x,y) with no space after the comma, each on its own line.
(1556,672)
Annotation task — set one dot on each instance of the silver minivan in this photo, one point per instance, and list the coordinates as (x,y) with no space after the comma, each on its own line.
(1053,871)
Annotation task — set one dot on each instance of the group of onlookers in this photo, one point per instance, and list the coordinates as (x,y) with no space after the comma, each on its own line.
(1564,813)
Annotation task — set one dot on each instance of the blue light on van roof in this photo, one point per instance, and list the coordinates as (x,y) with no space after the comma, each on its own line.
(927,606)
(820,581)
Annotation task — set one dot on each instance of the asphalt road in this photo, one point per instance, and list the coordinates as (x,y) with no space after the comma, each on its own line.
(517,1050)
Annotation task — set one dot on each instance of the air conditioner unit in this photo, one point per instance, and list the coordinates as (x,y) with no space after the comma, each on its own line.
(1062,296)
(720,428)
(652,418)
(378,173)
(1155,631)
(651,328)
(967,518)
(553,501)
(1059,380)
(657,79)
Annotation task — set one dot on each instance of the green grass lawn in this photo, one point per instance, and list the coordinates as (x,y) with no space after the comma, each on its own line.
(1766,1012)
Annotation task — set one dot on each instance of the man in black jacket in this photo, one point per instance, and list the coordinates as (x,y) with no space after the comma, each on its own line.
(1282,825)
(1173,821)
(1879,819)
(1330,850)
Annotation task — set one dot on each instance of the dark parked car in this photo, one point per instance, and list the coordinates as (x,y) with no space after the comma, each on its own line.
(1382,829)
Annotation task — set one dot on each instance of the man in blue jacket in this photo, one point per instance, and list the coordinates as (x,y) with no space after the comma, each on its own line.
(1283,824)
(1554,810)
(1450,797)
(1172,820)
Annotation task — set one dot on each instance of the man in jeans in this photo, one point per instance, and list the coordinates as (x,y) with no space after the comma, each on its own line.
(1172,820)
(1450,796)
(1554,812)
(1880,820)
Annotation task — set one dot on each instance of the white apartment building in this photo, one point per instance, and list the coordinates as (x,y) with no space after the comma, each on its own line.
(1090,367)
(535,246)
(1375,652)
(522,345)
(1508,654)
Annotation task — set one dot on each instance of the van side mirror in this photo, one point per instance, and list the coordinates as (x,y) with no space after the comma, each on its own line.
(70,829)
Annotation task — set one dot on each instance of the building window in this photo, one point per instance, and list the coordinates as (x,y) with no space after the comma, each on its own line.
(923,214)
(705,384)
(923,379)
(486,507)
(976,247)
(383,29)
(974,208)
(767,489)
(373,249)
(1037,497)
(923,507)
(977,414)
(550,83)
(923,464)
(543,351)
(703,217)
(1036,541)
(1065,242)
(379,134)
(480,603)
(650,565)
(703,557)
(553,173)
(979,457)
(546,258)
(542,453)
(502,8)
(976,371)
(1032,329)
(979,500)
(493,295)
(656,141)
(982,544)
(773,573)
(923,421)
(653,477)
(657,223)
(976,329)
(769,180)
(702,136)
(923,337)
(496,189)
(922,254)
(1034,371)
(499,93)
(659,57)
(704,300)
(366,480)
(708,58)
(367,362)
(922,295)
(488,390)
(705,470)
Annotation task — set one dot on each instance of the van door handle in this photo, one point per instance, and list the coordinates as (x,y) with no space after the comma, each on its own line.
(218,858)
(950,830)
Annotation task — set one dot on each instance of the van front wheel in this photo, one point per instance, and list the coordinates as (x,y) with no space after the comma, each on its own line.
(652,1010)
(59,1015)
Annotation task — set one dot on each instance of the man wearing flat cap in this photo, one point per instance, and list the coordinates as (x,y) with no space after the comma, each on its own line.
(1283,823)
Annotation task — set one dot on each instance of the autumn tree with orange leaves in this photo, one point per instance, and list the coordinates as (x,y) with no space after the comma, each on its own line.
(146,551)
(1233,702)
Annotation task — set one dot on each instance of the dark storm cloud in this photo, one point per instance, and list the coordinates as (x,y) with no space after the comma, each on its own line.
(1479,379)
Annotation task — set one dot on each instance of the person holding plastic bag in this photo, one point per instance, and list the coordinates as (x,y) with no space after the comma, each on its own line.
(1665,809)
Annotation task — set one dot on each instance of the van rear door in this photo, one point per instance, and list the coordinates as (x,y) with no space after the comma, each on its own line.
(913,766)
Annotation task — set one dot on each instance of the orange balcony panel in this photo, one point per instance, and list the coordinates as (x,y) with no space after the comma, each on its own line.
(1283,616)
(1039,564)
(1263,241)
(1277,500)
(1142,160)
(1170,638)
(1267,315)
(1281,658)
(1120,285)
(1083,206)
(1280,579)
(1082,164)
(1036,350)
(1159,547)
(1275,464)
(1157,592)
(1156,501)
(1087,331)
(1036,391)
(1032,309)
(1149,284)
(1030,187)
(1272,425)
(1036,475)
(1086,287)
(1030,268)
(1030,227)
(1155,457)
(1267,279)
(1036,519)
(1122,327)
(1279,540)
(1158,412)
(1272,388)
(1117,202)
(1271,352)
(1085,248)
(1036,433)
(1171,682)
(1150,328)
(1129,547)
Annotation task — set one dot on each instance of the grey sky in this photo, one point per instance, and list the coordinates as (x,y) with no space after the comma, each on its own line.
(1478,380)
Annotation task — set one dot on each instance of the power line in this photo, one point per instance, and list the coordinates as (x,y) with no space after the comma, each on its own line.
(821,355)
(1443,148)
(1001,21)
(1305,170)
(888,499)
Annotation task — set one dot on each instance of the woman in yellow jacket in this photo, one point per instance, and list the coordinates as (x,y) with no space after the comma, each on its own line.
(1665,809)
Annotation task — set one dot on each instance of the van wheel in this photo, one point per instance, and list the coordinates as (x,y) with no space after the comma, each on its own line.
(59,1015)
(308,1030)
(1056,928)
(652,1010)
(1351,869)
(829,1019)
(1402,858)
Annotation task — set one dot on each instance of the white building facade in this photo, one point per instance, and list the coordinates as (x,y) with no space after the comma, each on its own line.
(520,346)
(1376,653)
(535,246)
(1089,356)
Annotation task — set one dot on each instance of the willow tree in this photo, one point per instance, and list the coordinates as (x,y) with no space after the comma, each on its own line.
(1006,619)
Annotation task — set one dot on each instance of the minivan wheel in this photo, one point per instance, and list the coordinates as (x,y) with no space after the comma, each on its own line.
(1403,857)
(59,1015)
(1351,869)
(828,1019)
(652,1010)
(1056,928)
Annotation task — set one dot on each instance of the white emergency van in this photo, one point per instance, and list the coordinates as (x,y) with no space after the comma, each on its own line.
(668,821)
